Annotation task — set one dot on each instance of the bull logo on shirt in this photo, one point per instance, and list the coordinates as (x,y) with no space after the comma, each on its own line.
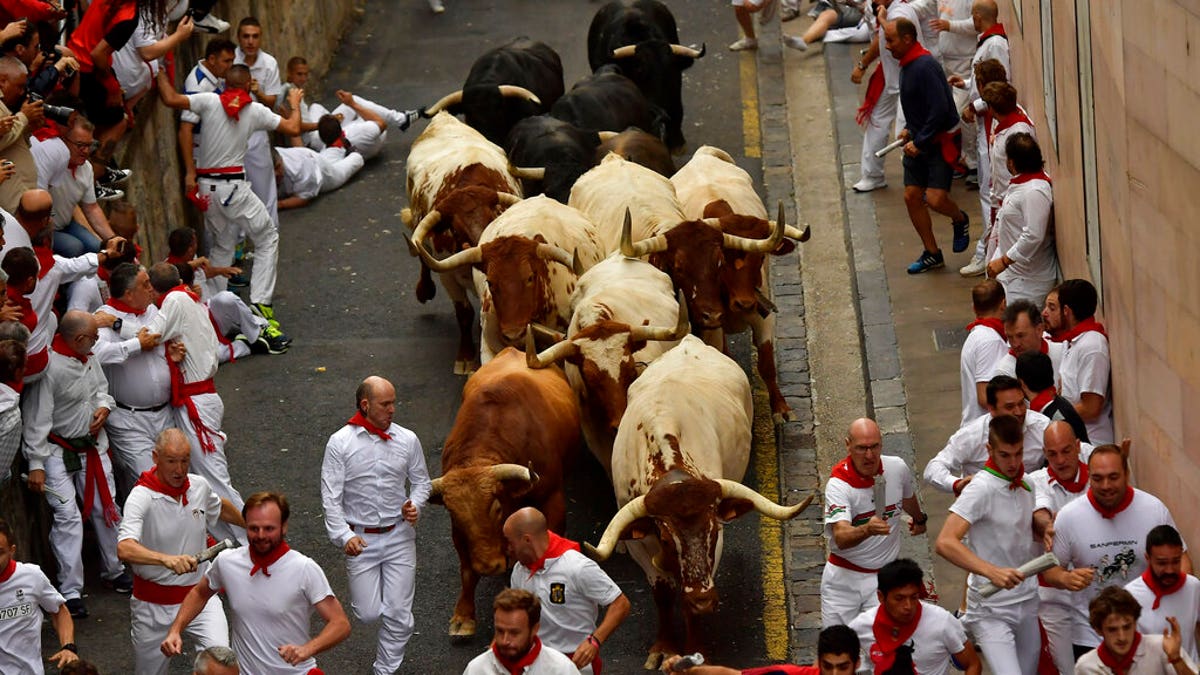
(558,593)
(1118,566)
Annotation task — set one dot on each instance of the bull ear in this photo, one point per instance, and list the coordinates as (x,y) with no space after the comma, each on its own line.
(785,247)
(539,238)
(731,508)
(640,529)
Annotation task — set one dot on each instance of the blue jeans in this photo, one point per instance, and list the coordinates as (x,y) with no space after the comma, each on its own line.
(74,240)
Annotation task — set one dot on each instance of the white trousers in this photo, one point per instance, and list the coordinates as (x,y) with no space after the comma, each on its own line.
(212,465)
(1057,619)
(335,172)
(131,436)
(845,594)
(875,136)
(984,173)
(1008,636)
(234,208)
(149,623)
(382,579)
(261,172)
(66,532)
(233,316)
(394,118)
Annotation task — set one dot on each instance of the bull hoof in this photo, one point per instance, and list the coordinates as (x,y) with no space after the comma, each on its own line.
(786,415)
(654,661)
(425,292)
(465,367)
(462,628)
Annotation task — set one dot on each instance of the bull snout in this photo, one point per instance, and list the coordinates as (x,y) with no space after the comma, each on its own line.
(701,602)
(744,304)
(711,318)
(514,335)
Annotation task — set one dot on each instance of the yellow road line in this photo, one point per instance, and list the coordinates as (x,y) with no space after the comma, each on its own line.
(770,531)
(748,75)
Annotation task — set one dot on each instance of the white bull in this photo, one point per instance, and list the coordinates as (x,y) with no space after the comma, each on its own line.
(616,184)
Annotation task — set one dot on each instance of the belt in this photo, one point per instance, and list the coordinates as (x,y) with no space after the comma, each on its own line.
(154,408)
(222,173)
(839,561)
(158,594)
(223,176)
(383,529)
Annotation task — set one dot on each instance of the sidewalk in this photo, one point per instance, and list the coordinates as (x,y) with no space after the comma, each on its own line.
(876,341)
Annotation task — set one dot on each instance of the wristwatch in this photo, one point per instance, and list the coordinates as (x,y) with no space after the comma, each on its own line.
(116,326)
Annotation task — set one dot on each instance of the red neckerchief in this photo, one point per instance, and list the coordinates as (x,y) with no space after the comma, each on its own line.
(181,288)
(233,100)
(150,480)
(9,570)
(915,52)
(558,546)
(261,562)
(995,31)
(1013,483)
(846,471)
(517,667)
(1074,485)
(28,316)
(890,636)
(1080,328)
(360,420)
(1007,121)
(1026,177)
(177,260)
(874,91)
(120,306)
(1111,513)
(1043,399)
(59,344)
(1151,583)
(1044,348)
(45,258)
(1120,665)
(341,142)
(991,322)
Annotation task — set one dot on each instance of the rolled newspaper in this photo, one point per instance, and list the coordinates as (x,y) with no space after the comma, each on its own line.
(212,551)
(688,662)
(898,143)
(1036,566)
(879,490)
(61,499)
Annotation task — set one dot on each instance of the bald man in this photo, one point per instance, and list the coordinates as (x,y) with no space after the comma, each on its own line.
(14,137)
(864,536)
(373,486)
(67,451)
(571,587)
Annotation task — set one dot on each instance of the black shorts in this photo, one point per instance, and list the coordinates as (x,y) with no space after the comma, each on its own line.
(95,106)
(848,17)
(928,170)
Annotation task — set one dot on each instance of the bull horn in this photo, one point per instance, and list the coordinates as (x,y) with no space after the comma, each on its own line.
(448,100)
(513,91)
(768,508)
(427,223)
(556,254)
(471,256)
(507,198)
(514,472)
(758,245)
(624,52)
(644,247)
(680,50)
(794,233)
(528,172)
(552,354)
(607,135)
(634,510)
(677,332)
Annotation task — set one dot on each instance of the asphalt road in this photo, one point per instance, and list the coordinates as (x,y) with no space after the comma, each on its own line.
(345,295)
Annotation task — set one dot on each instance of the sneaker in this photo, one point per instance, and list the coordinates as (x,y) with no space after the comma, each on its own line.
(789,13)
(927,261)
(273,333)
(239,281)
(972,181)
(113,176)
(975,268)
(266,344)
(766,11)
(76,608)
(744,44)
(265,311)
(868,185)
(211,24)
(239,254)
(962,233)
(122,584)
(409,116)
(795,42)
(107,194)
(436,6)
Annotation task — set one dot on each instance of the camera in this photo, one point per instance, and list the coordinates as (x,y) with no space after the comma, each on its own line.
(61,114)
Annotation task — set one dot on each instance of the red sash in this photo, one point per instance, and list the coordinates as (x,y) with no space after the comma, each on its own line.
(181,397)
(94,480)
(874,91)
(159,594)
(225,342)
(45,258)
(838,561)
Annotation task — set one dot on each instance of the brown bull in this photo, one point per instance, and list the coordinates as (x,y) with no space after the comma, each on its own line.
(515,432)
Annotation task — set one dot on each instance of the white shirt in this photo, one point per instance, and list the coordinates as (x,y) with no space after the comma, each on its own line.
(269,611)
(1085,370)
(1055,350)
(69,394)
(982,351)
(572,589)
(224,141)
(966,451)
(136,378)
(995,47)
(181,318)
(164,525)
(363,479)
(65,271)
(1001,533)
(365,135)
(938,636)
(844,503)
(998,152)
(301,172)
(1183,605)
(15,236)
(68,189)
(548,662)
(135,73)
(1052,496)
(957,44)
(265,70)
(1149,659)
(1114,547)
(200,81)
(1022,232)
(891,67)
(25,592)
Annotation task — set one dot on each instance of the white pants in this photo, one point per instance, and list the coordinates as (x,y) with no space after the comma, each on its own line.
(845,594)
(234,208)
(261,172)
(394,118)
(382,579)
(66,532)
(875,136)
(212,465)
(335,172)
(149,623)
(984,173)
(1008,636)
(1057,620)
(131,436)
(234,316)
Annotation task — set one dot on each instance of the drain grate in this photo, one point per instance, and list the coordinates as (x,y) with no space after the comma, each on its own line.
(949,338)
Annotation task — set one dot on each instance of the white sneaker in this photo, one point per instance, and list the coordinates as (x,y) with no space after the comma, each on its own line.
(744,44)
(868,185)
(975,268)
(212,24)
(436,6)
(795,42)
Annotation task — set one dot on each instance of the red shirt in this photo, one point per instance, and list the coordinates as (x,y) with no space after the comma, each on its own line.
(100,22)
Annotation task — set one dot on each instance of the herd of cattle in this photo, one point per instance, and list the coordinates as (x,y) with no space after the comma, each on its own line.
(586,249)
